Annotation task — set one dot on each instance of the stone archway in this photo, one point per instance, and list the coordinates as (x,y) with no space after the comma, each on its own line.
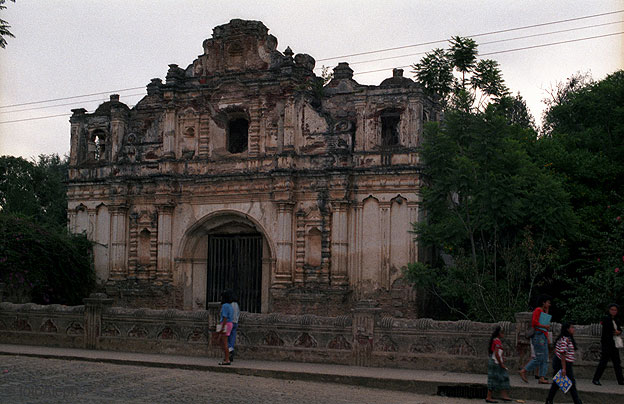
(214,255)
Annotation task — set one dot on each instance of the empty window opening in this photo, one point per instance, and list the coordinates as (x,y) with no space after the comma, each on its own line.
(390,129)
(237,135)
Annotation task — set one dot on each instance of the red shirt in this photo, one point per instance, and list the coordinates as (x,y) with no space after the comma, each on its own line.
(535,321)
(496,345)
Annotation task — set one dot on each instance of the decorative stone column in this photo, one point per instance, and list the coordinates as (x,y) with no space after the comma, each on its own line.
(384,228)
(413,214)
(283,274)
(365,315)
(91,225)
(119,229)
(165,218)
(95,304)
(355,254)
(339,244)
(76,126)
(299,249)
(204,136)
(169,132)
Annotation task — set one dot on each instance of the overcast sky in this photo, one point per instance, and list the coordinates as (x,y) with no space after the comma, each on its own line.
(68,48)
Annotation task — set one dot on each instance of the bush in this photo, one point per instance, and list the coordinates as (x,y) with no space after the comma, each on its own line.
(43,265)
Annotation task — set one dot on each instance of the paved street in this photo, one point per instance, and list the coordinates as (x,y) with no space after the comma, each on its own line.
(36,380)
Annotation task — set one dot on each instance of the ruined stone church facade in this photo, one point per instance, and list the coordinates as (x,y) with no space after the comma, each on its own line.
(243,171)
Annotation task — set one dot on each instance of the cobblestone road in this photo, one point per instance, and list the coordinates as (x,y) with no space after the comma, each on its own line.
(35,380)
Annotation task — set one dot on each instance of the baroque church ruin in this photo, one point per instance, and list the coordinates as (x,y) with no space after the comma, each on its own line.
(243,171)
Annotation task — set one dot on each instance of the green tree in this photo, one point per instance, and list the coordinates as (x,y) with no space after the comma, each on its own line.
(42,264)
(36,190)
(583,143)
(4,27)
(494,218)
(458,79)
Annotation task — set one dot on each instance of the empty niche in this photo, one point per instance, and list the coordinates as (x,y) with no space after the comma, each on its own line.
(237,135)
(143,248)
(313,247)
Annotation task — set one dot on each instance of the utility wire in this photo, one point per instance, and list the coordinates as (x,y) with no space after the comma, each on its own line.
(357,54)
(34,119)
(350,55)
(491,42)
(358,73)
(69,98)
(401,67)
(510,50)
(473,36)
(66,104)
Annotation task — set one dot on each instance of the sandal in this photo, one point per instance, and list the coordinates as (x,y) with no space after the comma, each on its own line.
(543,381)
(224,363)
(523,376)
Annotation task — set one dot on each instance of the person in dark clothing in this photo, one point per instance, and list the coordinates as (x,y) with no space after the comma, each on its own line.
(611,328)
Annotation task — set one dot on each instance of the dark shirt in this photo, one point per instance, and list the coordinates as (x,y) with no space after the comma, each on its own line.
(607,331)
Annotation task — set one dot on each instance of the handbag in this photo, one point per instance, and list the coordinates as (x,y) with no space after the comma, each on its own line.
(219,327)
(619,343)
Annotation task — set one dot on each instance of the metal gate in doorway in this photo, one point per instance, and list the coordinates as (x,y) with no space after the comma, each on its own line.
(235,262)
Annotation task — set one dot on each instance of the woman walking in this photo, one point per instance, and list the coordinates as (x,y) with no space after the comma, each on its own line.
(611,330)
(498,379)
(563,360)
(225,321)
(539,341)
(235,317)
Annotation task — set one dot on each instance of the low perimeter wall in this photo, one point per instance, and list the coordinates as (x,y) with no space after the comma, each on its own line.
(362,337)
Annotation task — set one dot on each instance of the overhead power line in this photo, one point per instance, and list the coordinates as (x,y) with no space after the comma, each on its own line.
(474,35)
(34,119)
(64,105)
(492,42)
(72,97)
(358,54)
(512,50)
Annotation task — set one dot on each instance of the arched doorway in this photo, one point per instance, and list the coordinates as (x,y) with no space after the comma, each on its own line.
(235,262)
(225,250)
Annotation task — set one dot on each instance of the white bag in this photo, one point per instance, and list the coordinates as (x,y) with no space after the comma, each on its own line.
(619,343)
(219,327)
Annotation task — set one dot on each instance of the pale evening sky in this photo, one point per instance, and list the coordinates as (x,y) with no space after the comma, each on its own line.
(69,48)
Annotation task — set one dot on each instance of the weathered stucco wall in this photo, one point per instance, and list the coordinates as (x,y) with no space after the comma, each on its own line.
(247,139)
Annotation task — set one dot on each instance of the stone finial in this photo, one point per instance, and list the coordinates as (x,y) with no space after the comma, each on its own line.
(397,72)
(288,52)
(154,86)
(304,60)
(79,111)
(114,97)
(343,71)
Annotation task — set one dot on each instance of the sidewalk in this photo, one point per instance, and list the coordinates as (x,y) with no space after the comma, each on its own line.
(416,381)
